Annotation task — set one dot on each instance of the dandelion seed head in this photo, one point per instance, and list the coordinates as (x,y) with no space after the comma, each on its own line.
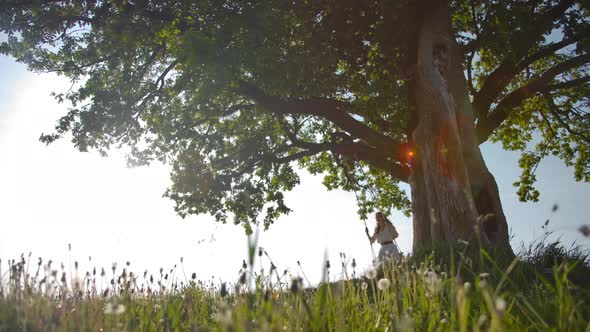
(467,285)
(433,283)
(501,305)
(383,284)
(120,309)
(371,273)
(364,285)
(114,309)
(484,275)
(444,321)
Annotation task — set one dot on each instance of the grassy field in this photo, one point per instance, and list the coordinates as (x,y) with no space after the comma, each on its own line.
(546,288)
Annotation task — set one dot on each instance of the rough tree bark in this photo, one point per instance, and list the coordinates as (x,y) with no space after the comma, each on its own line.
(454,196)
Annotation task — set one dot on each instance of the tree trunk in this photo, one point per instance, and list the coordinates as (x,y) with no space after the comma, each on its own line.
(454,196)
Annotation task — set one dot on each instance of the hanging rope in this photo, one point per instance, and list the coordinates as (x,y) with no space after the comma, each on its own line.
(354,189)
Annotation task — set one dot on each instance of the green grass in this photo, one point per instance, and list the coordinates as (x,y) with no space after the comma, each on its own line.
(543,289)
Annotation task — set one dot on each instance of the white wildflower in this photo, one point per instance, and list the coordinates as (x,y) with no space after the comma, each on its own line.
(371,273)
(433,283)
(484,275)
(483,284)
(482,321)
(364,286)
(444,321)
(120,309)
(114,309)
(501,305)
(383,284)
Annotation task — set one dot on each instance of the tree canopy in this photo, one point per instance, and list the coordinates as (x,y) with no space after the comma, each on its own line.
(239,95)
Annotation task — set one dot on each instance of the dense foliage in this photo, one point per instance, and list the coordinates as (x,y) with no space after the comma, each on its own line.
(232,92)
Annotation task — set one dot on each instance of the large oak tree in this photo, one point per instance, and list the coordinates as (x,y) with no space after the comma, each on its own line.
(233,93)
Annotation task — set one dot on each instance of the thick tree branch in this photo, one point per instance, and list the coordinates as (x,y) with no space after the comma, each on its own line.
(567,84)
(332,110)
(158,85)
(362,152)
(349,150)
(509,68)
(507,71)
(485,126)
(313,150)
(162,77)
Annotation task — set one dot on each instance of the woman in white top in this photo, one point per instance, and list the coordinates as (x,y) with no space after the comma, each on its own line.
(384,234)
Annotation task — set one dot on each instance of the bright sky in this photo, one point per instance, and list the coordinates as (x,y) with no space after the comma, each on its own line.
(55,195)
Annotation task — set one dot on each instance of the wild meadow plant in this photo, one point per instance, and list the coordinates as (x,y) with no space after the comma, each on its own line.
(456,291)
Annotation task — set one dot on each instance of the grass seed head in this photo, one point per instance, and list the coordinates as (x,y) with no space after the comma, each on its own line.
(585,230)
(223,291)
(243,278)
(296,285)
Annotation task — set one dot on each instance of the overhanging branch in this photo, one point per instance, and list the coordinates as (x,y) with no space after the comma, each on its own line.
(485,126)
(509,68)
(566,84)
(334,111)
(506,72)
